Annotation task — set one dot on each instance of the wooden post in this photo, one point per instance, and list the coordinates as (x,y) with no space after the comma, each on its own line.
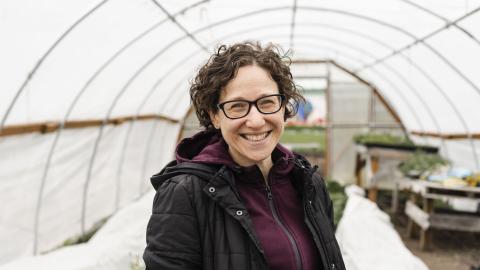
(373,190)
(359,164)
(373,194)
(394,208)
(410,223)
(425,234)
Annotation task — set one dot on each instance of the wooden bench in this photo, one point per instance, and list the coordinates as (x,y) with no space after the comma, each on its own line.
(424,193)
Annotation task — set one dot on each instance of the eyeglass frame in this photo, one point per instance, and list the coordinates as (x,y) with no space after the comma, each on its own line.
(250,103)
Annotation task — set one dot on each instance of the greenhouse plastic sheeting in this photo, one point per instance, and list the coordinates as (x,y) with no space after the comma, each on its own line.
(373,244)
(63,200)
(95,52)
(114,247)
(67,62)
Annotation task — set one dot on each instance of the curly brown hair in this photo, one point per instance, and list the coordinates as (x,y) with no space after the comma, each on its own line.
(223,66)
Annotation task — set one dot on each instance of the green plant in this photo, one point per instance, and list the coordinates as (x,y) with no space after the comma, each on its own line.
(305,140)
(382,138)
(136,263)
(305,128)
(88,234)
(420,162)
(312,151)
(339,199)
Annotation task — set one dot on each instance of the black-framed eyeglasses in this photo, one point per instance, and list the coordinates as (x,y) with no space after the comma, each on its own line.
(240,108)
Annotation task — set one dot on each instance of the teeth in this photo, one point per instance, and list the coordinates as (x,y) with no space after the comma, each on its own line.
(256,137)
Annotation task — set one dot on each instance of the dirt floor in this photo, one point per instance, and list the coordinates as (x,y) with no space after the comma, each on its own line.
(449,250)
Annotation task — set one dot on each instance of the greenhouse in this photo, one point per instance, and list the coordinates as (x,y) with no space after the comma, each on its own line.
(94,98)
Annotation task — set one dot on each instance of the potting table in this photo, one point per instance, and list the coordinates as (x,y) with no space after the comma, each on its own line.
(369,162)
(424,193)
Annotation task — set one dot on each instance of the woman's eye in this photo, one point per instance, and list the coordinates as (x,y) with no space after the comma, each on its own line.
(267,102)
(237,106)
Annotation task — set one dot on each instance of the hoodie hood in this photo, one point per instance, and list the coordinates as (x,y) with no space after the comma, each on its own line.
(204,147)
(173,169)
(189,161)
(209,147)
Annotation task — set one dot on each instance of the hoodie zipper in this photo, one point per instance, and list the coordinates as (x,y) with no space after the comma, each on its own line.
(296,251)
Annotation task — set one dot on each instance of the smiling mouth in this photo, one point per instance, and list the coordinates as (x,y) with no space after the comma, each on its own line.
(256,137)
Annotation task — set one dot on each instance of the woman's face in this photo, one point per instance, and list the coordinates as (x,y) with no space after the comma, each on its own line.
(252,138)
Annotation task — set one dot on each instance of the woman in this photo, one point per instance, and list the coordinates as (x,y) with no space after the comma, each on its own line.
(235,198)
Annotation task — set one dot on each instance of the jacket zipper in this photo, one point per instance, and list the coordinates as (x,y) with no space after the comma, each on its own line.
(298,261)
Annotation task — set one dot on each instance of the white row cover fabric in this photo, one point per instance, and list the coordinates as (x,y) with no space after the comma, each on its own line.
(118,245)
(368,240)
(365,234)
(43,206)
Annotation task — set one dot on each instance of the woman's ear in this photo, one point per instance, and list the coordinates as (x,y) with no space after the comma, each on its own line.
(215,119)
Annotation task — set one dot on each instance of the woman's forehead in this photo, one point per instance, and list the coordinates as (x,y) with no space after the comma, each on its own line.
(250,83)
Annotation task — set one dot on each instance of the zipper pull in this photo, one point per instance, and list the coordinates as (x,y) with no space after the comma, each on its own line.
(333,267)
(269,192)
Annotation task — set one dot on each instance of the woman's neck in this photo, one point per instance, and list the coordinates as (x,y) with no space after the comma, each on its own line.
(265,166)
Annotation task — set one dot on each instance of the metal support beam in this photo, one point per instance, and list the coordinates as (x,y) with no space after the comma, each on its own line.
(39,63)
(447,21)
(71,107)
(292,26)
(268,10)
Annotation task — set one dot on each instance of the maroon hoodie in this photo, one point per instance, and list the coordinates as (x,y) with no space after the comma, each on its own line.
(275,209)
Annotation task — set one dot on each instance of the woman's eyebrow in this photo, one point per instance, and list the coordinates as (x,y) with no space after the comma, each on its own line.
(244,99)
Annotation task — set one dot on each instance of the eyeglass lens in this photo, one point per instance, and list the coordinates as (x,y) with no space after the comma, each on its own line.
(240,108)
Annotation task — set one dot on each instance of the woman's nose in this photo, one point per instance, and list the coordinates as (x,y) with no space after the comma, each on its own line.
(255,118)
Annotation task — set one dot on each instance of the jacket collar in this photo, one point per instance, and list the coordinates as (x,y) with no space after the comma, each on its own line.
(221,189)
(209,147)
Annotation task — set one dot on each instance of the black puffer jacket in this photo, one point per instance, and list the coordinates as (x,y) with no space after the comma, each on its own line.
(198,221)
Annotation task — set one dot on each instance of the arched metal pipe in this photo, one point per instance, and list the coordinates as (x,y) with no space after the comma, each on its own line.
(5,117)
(147,65)
(184,30)
(439,55)
(325,10)
(14,100)
(256,12)
(403,79)
(424,103)
(360,50)
(123,90)
(105,121)
(180,95)
(148,146)
(73,104)
(292,26)
(144,162)
(417,40)
(39,63)
(438,16)
(140,108)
